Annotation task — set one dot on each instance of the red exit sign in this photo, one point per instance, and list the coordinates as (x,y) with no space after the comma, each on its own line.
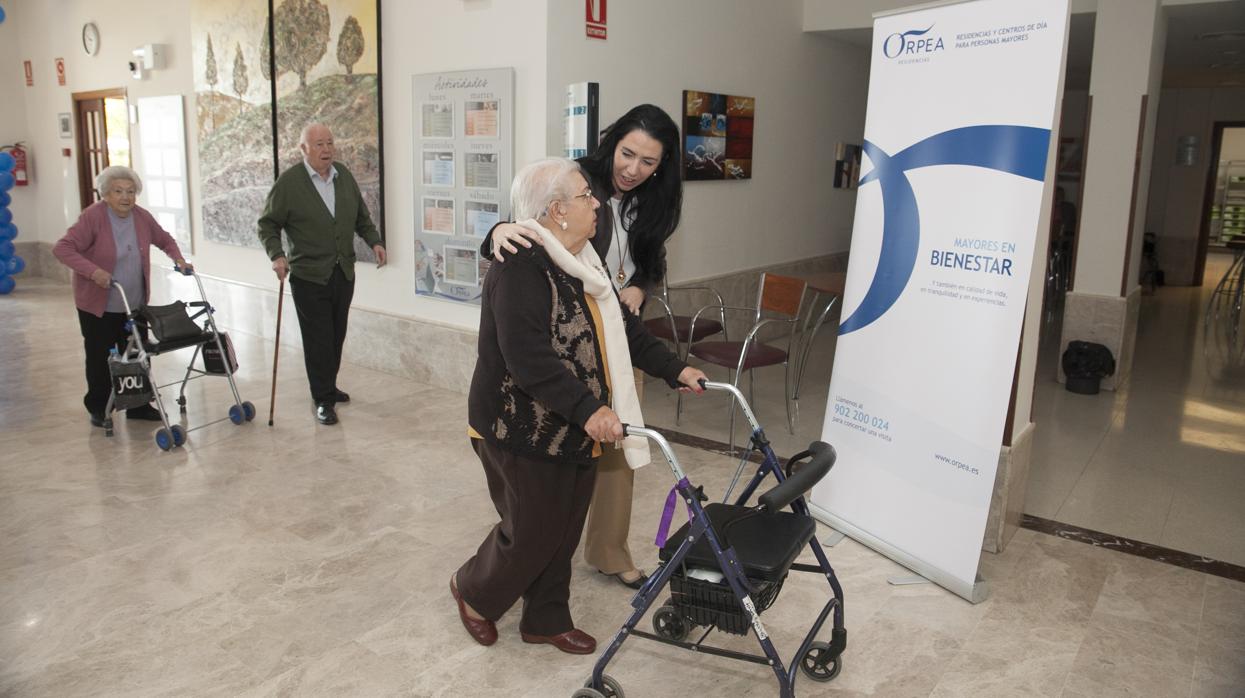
(594,18)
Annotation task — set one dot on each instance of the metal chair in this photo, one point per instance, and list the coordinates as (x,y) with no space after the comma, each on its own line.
(781,296)
(677,329)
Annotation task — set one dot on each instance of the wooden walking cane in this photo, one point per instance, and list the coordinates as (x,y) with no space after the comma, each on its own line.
(276,352)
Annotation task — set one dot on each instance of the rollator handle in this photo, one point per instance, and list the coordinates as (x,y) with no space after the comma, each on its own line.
(802,480)
(183,270)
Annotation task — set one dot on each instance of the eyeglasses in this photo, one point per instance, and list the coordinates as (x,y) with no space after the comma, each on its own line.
(585,196)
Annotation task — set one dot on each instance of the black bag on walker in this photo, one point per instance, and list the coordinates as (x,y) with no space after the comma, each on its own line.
(131,386)
(212,362)
(169,322)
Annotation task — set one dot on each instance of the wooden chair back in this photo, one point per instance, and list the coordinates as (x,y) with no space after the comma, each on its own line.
(781,294)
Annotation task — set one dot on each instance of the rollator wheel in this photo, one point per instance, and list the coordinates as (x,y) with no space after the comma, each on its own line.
(164,439)
(612,689)
(670,624)
(817,666)
(179,434)
(248,410)
(235,414)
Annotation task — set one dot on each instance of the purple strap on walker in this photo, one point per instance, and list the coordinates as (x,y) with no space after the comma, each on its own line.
(667,514)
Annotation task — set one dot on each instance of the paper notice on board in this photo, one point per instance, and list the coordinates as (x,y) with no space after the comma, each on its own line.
(439,168)
(480,119)
(438,120)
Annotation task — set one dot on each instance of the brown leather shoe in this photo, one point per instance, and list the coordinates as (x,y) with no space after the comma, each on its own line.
(482,631)
(574,641)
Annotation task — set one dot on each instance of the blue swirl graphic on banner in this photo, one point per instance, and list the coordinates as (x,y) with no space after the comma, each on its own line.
(1017,150)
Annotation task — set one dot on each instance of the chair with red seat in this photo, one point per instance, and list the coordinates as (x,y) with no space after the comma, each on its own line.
(677,329)
(782,297)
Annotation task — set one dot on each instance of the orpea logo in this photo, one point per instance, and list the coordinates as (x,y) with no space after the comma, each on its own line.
(911,42)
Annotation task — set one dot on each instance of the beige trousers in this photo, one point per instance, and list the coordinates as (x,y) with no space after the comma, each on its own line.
(609,518)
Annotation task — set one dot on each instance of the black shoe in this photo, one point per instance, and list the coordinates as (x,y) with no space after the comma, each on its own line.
(340,396)
(97,419)
(633,584)
(325,414)
(146,412)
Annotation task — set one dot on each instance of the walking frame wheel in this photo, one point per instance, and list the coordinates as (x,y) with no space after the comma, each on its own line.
(670,624)
(164,439)
(612,689)
(179,434)
(817,665)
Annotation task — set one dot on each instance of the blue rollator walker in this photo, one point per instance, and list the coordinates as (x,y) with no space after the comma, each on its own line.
(728,563)
(173,328)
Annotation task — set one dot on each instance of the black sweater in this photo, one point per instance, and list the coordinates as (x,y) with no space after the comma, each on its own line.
(540,375)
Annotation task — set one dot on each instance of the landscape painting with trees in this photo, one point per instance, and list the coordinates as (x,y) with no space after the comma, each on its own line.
(327,69)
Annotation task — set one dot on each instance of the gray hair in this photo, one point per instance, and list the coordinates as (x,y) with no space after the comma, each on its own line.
(539,184)
(103,180)
(302,136)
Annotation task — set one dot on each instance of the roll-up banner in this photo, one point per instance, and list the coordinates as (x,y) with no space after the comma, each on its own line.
(962,100)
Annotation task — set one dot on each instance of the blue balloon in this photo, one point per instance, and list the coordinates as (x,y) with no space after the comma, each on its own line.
(6,216)
(8,231)
(6,285)
(6,250)
(6,181)
(5,199)
(16,265)
(6,161)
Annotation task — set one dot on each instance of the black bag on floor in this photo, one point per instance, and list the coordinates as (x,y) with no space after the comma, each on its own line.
(212,362)
(1085,364)
(131,386)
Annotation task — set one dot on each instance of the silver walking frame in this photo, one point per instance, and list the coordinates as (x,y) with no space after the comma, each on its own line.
(138,350)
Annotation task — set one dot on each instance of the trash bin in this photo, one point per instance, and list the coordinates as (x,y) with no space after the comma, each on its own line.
(1085,364)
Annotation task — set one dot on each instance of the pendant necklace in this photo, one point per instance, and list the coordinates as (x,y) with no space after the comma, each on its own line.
(622,258)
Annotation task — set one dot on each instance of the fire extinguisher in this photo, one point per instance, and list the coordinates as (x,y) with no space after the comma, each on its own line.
(21,165)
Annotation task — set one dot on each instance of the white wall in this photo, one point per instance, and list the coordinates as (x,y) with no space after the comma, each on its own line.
(810,94)
(1178,191)
(428,36)
(1124,70)
(1233,145)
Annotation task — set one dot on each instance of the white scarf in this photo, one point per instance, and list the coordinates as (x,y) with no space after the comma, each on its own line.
(586,266)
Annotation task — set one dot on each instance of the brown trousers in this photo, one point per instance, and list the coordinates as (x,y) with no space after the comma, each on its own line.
(609,519)
(528,553)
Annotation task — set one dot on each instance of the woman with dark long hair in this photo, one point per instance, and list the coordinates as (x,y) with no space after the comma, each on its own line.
(634,174)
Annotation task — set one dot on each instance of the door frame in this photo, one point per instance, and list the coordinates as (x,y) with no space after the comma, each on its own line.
(86,183)
(1208,198)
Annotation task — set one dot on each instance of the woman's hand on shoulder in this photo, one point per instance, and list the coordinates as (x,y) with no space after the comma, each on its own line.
(507,235)
(604,426)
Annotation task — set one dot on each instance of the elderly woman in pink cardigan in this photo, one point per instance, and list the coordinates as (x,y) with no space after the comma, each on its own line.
(111,242)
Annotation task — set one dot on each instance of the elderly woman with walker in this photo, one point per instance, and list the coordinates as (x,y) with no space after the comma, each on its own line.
(552,388)
(635,179)
(111,242)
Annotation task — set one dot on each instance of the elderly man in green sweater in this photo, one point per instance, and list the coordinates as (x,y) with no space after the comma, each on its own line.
(319,206)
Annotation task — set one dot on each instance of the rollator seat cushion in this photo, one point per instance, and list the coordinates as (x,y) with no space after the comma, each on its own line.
(172,327)
(153,347)
(766,544)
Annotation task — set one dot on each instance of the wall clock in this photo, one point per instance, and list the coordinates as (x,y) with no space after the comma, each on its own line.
(90,38)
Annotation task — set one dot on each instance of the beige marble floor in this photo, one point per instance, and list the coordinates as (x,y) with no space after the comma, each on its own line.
(308,560)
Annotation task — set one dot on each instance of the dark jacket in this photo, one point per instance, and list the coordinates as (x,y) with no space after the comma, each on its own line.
(650,269)
(318,241)
(540,375)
